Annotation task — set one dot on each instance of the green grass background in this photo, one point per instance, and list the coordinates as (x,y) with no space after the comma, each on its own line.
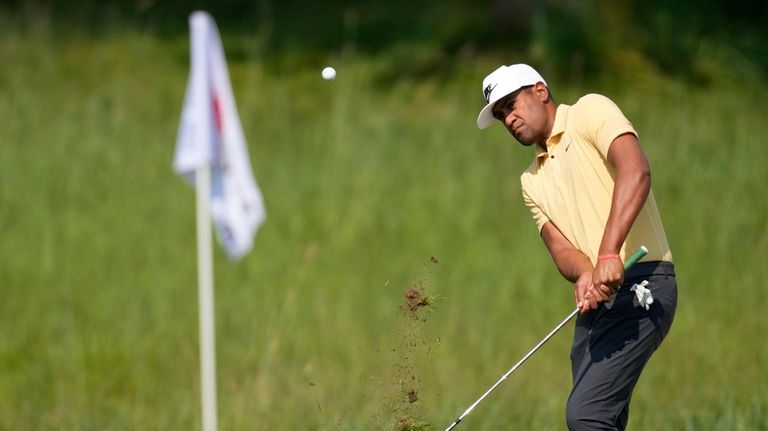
(365,181)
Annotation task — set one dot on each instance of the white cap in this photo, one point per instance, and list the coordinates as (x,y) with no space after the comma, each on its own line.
(501,82)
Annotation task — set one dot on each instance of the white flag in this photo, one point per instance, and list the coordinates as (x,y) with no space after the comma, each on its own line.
(210,134)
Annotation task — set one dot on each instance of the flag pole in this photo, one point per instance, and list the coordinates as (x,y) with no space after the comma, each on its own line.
(205,298)
(210,137)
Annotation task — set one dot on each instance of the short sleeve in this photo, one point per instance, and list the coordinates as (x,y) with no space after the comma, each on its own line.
(600,121)
(538,215)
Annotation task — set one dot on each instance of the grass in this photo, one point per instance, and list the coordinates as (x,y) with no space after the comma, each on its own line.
(365,182)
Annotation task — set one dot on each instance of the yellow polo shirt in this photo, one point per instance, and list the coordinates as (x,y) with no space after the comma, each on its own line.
(571,183)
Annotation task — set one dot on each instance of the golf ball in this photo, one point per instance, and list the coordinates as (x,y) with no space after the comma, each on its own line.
(329,73)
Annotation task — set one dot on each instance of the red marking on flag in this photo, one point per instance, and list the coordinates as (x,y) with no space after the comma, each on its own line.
(217,112)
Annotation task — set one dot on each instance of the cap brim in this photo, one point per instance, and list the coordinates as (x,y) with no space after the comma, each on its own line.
(485,119)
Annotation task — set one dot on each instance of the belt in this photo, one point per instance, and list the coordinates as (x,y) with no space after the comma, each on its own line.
(647,269)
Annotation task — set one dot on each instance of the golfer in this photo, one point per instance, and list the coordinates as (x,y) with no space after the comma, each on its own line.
(589,192)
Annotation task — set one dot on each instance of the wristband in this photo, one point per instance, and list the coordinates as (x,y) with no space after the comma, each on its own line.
(608,257)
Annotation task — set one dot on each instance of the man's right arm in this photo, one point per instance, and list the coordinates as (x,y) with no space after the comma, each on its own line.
(570,261)
(574,265)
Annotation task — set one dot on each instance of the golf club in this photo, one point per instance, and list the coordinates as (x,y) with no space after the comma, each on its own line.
(642,251)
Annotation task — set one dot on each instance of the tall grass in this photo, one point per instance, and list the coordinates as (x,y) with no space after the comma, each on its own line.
(371,187)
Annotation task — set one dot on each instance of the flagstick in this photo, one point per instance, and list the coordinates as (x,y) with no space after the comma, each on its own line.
(205,293)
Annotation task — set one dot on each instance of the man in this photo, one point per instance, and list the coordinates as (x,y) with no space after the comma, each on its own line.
(589,191)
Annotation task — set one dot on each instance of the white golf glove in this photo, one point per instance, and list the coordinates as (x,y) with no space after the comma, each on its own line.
(643,294)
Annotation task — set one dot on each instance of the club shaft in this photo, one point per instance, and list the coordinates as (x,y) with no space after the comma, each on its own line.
(514,367)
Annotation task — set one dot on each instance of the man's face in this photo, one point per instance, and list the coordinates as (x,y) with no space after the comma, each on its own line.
(523,114)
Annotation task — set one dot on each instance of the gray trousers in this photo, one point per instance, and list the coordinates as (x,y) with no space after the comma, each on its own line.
(612,346)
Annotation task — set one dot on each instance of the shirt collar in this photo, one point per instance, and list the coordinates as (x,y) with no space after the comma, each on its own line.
(557,129)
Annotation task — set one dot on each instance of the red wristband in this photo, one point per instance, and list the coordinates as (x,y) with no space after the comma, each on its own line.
(608,257)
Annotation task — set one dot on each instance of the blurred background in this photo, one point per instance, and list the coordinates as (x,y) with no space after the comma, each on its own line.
(375,183)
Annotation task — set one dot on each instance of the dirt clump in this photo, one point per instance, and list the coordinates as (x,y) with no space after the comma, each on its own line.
(415,299)
(419,304)
(413,396)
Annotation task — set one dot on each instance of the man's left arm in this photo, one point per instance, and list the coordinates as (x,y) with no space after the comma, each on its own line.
(631,188)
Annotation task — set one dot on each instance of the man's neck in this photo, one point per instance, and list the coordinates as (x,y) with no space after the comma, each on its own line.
(551,114)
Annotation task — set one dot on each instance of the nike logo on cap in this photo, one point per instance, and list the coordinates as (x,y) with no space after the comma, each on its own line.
(487,92)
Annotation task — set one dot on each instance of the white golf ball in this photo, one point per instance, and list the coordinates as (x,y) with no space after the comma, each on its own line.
(329,73)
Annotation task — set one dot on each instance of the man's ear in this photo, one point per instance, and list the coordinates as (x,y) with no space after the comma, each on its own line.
(541,91)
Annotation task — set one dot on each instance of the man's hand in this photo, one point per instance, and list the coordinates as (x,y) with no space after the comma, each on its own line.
(607,276)
(586,296)
(580,287)
(593,288)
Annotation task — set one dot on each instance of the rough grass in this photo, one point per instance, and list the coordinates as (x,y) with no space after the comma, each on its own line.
(364,183)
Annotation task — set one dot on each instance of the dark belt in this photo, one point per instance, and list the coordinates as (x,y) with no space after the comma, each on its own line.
(647,269)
